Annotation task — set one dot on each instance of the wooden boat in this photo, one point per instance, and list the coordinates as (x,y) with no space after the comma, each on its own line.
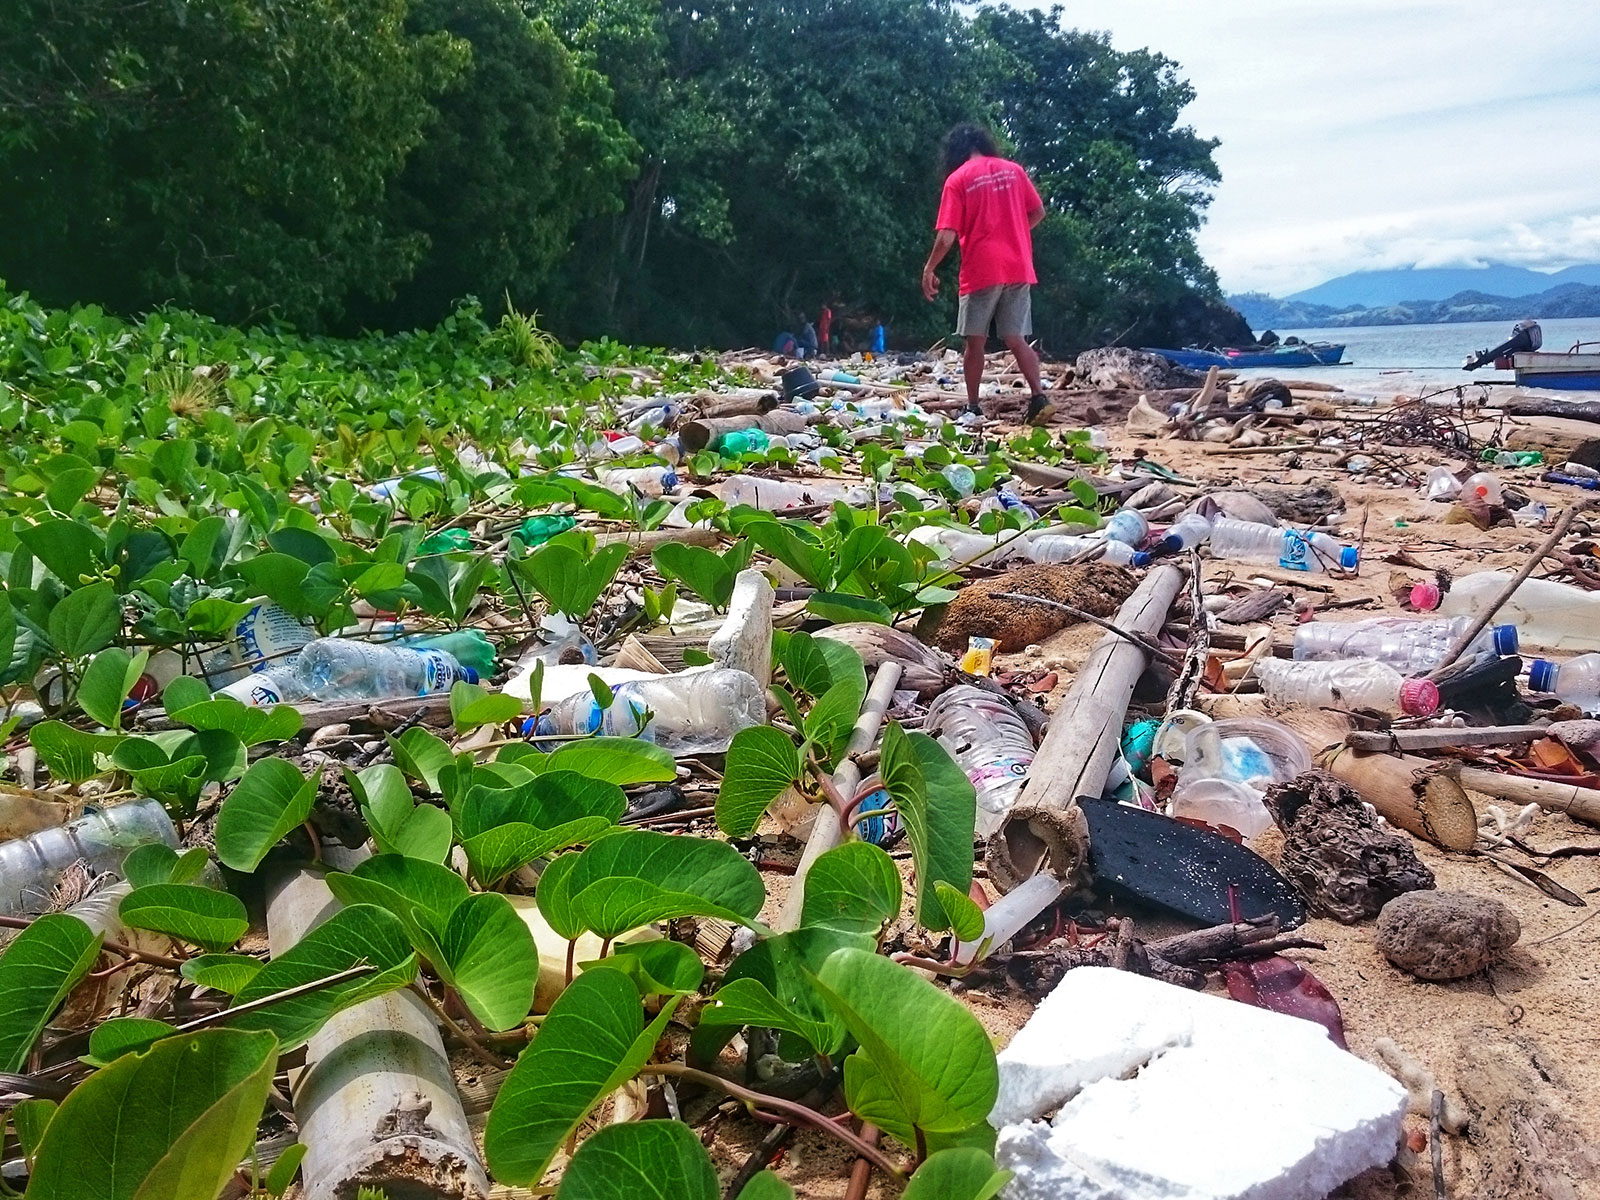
(1575,371)
(1303,354)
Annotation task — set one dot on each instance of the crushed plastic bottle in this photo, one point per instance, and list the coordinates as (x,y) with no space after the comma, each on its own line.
(991,744)
(339,669)
(970,546)
(30,866)
(445,541)
(775,495)
(693,713)
(1189,531)
(1441,484)
(536,531)
(1290,549)
(1346,683)
(962,478)
(1546,613)
(1577,681)
(1513,458)
(1484,486)
(265,637)
(1409,645)
(741,441)
(1208,791)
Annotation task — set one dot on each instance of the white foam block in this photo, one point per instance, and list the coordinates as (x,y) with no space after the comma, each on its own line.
(1168,1094)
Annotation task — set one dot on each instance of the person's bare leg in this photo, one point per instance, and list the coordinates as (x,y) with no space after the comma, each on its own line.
(1027,362)
(972,364)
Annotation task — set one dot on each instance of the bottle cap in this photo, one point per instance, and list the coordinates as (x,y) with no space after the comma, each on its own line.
(1425,597)
(669,479)
(1542,675)
(470,675)
(1141,558)
(1419,697)
(1505,639)
(1349,558)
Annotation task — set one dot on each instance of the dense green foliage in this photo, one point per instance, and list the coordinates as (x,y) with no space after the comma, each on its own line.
(650,169)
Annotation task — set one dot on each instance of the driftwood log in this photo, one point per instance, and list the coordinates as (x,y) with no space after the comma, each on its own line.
(697,435)
(1335,852)
(1047,828)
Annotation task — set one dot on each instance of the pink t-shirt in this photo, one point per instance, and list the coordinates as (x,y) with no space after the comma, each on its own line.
(986,202)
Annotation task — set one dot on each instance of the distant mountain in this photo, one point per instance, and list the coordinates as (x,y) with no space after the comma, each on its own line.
(1565,300)
(1375,289)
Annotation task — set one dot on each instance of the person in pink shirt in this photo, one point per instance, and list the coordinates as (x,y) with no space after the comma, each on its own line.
(989,208)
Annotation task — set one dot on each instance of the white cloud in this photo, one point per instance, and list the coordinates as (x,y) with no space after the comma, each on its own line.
(1378,133)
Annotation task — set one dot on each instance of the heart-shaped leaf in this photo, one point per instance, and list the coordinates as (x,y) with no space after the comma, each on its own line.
(111,1039)
(70,549)
(170,1124)
(566,579)
(840,609)
(203,917)
(767,1186)
(72,755)
(637,876)
(86,620)
(472,706)
(271,799)
(421,756)
(421,894)
(960,1173)
(41,965)
(762,764)
(229,973)
(966,918)
(495,853)
(643,1158)
(916,769)
(358,936)
(156,863)
(490,959)
(400,825)
(107,681)
(657,967)
(32,1118)
(588,1045)
(925,1046)
(622,761)
(703,571)
(252,726)
(853,888)
(771,986)
(832,719)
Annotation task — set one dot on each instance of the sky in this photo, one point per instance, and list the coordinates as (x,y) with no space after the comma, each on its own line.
(1365,134)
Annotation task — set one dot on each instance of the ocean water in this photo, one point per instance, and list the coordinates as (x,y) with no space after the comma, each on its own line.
(1388,359)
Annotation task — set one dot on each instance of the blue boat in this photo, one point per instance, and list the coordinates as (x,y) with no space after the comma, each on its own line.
(1575,371)
(1303,354)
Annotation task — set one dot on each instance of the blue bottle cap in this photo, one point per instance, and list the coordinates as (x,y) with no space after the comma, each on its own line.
(1505,639)
(470,675)
(1349,558)
(1542,675)
(669,480)
(1142,558)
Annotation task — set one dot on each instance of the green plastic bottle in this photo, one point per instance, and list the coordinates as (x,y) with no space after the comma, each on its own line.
(469,647)
(536,531)
(445,541)
(741,441)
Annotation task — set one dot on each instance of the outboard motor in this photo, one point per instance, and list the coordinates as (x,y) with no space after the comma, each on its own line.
(1526,336)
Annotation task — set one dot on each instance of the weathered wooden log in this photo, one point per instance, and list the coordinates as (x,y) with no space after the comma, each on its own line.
(1419,795)
(645,541)
(1081,743)
(1579,803)
(697,435)
(742,402)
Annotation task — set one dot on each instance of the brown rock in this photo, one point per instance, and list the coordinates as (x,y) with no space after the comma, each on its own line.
(1097,587)
(1445,935)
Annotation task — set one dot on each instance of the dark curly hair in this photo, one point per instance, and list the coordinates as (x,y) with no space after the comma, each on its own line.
(961,142)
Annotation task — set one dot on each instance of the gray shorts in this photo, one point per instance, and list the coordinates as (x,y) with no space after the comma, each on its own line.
(1006,306)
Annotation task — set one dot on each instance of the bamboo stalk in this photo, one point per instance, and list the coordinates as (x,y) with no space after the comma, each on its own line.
(1580,803)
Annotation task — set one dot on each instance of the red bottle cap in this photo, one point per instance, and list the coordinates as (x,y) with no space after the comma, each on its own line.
(1425,597)
(1419,698)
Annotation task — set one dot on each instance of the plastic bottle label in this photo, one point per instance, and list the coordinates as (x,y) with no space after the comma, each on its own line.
(1295,552)
(998,772)
(882,826)
(266,632)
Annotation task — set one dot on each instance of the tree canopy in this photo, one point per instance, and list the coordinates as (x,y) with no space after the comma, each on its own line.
(682,173)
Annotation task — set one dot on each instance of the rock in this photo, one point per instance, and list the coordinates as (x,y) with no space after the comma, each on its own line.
(1445,935)
(1096,587)
(1145,1074)
(1122,367)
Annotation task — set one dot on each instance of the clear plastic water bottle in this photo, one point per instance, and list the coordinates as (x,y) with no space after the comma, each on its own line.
(970,546)
(1346,683)
(1189,531)
(337,669)
(1060,547)
(775,495)
(1410,645)
(263,689)
(30,866)
(695,713)
(1545,611)
(990,743)
(1577,681)
(1291,549)
(1129,526)
(962,478)
(1484,486)
(266,637)
(646,481)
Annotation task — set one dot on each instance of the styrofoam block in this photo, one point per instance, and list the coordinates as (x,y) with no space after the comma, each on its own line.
(1224,1101)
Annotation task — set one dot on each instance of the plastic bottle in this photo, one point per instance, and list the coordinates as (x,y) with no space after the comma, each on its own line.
(1577,681)
(661,416)
(469,647)
(1513,458)
(30,866)
(1059,547)
(740,441)
(338,669)
(1206,790)
(266,636)
(1129,526)
(646,481)
(773,495)
(991,744)
(1482,485)
(960,477)
(1409,645)
(445,541)
(968,545)
(1441,484)
(1189,531)
(1291,549)
(1346,683)
(695,713)
(263,689)
(1546,613)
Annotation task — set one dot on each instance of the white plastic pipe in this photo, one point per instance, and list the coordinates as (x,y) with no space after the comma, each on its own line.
(1007,915)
